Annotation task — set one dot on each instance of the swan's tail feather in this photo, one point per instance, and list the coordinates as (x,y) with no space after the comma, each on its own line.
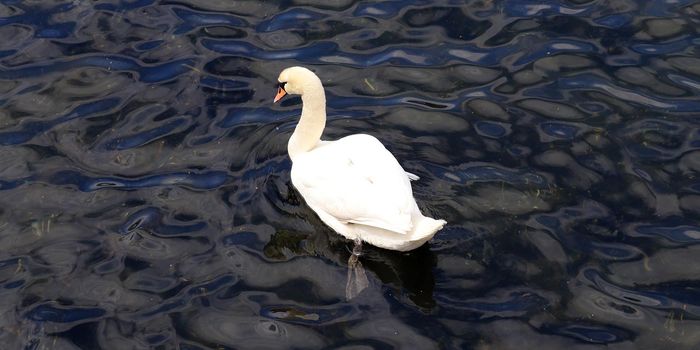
(427,227)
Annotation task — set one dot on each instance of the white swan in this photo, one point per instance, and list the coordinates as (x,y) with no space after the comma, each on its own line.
(353,184)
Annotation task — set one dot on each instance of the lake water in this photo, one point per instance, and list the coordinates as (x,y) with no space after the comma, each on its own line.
(145,198)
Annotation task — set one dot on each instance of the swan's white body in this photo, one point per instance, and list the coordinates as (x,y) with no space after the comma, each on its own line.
(353,184)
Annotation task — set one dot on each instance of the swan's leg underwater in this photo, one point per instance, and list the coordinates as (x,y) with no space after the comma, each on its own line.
(357,278)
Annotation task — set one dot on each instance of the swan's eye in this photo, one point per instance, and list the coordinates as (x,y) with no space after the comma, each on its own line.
(281,85)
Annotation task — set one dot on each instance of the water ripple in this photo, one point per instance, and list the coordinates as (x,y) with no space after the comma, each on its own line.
(88,184)
(146,198)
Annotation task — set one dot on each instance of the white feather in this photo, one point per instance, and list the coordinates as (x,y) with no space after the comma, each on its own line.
(356,180)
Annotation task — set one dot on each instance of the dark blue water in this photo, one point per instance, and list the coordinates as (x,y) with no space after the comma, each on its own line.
(145,199)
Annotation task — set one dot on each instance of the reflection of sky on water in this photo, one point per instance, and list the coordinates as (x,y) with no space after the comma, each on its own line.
(145,198)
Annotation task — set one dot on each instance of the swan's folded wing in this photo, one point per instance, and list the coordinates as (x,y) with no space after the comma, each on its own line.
(356,180)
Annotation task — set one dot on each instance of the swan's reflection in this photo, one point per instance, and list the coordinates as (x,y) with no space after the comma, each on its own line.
(408,273)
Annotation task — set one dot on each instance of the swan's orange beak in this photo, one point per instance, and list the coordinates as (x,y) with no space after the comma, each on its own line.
(280,94)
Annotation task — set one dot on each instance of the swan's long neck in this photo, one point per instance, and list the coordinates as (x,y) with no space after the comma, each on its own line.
(312,122)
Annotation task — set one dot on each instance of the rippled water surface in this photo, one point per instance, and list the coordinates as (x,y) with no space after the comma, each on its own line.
(145,198)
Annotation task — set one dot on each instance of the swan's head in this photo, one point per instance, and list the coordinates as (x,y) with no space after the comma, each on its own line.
(296,81)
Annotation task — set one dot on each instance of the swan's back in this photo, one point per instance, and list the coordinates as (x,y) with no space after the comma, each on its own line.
(356,180)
